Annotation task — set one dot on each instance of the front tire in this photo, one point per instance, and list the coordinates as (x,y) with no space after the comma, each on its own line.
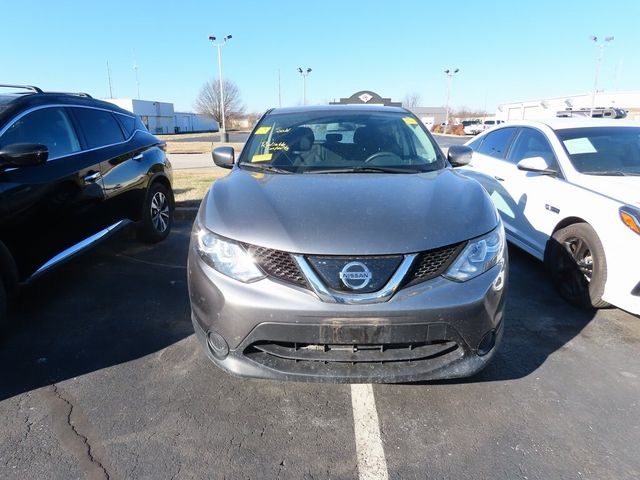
(157,214)
(578,266)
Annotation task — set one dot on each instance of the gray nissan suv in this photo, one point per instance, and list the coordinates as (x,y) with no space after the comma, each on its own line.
(343,247)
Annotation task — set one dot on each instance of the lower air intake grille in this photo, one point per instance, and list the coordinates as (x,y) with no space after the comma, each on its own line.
(327,353)
(277,264)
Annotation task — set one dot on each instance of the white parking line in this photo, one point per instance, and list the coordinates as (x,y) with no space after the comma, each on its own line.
(371,462)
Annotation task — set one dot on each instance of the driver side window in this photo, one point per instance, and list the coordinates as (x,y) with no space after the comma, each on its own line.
(531,143)
(47,126)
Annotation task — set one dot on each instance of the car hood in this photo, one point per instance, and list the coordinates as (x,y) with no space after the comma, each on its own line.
(623,189)
(348,214)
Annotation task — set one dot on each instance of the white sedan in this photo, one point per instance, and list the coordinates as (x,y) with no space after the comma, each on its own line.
(568,191)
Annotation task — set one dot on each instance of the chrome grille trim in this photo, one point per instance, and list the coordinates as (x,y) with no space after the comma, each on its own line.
(330,296)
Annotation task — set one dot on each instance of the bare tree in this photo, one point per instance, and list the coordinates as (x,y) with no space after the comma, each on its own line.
(208,101)
(411,100)
(466,112)
(253,118)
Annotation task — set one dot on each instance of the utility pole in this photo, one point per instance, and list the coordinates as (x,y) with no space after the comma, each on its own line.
(109,78)
(279,91)
(135,67)
(450,75)
(224,137)
(601,46)
(305,74)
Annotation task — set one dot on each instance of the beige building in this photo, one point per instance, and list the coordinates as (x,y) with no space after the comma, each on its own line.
(549,107)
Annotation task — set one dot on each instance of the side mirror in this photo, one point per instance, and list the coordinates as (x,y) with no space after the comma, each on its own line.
(536,164)
(24,154)
(459,155)
(223,157)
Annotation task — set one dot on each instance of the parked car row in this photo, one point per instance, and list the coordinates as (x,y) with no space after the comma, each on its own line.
(343,245)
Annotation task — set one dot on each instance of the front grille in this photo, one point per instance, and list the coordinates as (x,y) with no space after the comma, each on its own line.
(280,265)
(433,263)
(347,353)
(381,268)
(277,264)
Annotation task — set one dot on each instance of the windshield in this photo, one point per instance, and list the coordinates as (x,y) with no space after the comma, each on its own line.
(325,141)
(603,150)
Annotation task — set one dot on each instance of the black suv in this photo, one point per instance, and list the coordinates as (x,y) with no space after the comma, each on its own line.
(72,171)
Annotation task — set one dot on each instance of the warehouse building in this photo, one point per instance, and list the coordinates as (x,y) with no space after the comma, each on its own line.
(554,106)
(160,117)
(430,116)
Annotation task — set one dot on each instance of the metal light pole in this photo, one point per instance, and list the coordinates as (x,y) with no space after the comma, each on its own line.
(224,137)
(279,91)
(109,77)
(601,47)
(135,67)
(305,74)
(450,75)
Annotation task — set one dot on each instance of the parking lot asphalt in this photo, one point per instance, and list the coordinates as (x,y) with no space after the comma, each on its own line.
(445,141)
(102,377)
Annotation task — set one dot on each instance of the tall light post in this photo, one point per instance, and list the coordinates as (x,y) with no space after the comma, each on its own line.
(601,47)
(305,74)
(224,137)
(450,75)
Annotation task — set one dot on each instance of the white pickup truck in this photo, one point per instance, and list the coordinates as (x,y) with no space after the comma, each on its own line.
(476,128)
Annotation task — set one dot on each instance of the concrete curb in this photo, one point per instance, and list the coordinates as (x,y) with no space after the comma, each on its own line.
(450,135)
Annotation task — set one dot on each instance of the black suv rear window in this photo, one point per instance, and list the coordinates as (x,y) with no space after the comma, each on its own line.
(128,124)
(100,128)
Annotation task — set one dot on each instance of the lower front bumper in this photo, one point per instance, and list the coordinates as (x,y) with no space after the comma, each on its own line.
(438,352)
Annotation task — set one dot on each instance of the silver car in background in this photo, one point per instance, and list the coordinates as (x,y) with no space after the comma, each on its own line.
(343,247)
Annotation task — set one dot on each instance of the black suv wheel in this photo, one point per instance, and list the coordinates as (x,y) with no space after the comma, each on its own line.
(157,214)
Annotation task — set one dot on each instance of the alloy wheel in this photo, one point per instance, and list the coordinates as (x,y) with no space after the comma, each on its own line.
(160,212)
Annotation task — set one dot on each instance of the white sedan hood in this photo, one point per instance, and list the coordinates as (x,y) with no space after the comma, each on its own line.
(623,189)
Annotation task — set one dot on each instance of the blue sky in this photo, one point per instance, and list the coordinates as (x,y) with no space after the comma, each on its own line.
(505,50)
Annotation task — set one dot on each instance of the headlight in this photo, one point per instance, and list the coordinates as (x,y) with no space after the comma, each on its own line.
(630,216)
(227,257)
(478,256)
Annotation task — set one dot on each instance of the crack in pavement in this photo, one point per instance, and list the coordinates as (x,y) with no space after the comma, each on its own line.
(27,421)
(83,450)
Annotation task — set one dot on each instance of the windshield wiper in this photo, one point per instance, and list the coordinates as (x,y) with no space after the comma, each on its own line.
(267,168)
(613,173)
(365,169)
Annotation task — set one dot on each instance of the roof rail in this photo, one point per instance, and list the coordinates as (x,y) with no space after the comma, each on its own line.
(38,90)
(26,87)
(79,94)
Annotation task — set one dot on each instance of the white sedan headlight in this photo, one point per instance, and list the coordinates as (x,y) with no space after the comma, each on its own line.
(227,257)
(479,256)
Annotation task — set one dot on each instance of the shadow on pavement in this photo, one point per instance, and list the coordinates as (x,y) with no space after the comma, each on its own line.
(122,301)
(126,300)
(538,322)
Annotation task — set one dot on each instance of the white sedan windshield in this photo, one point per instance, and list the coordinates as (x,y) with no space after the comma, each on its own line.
(603,150)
